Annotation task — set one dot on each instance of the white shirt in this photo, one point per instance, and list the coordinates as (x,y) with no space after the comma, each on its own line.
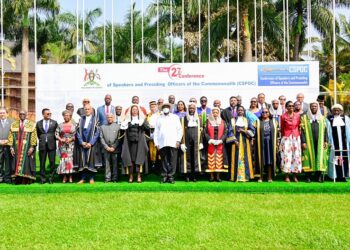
(153,120)
(168,131)
(87,121)
(192,122)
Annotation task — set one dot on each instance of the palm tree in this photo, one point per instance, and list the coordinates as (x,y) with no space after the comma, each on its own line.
(321,18)
(18,14)
(58,52)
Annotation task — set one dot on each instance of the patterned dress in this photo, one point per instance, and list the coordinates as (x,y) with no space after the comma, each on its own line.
(66,130)
(290,144)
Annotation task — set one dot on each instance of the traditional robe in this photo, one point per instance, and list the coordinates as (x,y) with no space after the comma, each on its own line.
(314,134)
(217,160)
(339,139)
(21,140)
(192,137)
(265,146)
(90,134)
(241,155)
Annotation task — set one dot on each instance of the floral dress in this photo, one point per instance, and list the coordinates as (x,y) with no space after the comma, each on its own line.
(66,130)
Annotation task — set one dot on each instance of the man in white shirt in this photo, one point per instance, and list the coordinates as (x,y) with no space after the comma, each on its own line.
(167,137)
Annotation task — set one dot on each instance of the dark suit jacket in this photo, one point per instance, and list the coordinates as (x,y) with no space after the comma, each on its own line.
(50,135)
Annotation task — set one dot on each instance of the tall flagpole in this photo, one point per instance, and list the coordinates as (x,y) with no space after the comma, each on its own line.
(142,34)
(228,31)
(255,33)
(287,29)
(2,56)
(334,56)
(104,31)
(262,30)
(112,31)
(158,31)
(132,31)
(171,30)
(183,30)
(209,31)
(199,31)
(77,35)
(238,31)
(83,31)
(284,30)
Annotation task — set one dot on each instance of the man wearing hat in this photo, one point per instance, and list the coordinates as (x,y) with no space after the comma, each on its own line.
(167,137)
(152,118)
(339,139)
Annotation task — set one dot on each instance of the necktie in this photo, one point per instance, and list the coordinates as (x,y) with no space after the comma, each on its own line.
(46,126)
(107,109)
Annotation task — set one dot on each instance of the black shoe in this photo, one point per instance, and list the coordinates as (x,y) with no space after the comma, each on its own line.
(218,180)
(42,182)
(107,181)
(308,180)
(211,179)
(194,180)
(171,180)
(163,180)
(187,179)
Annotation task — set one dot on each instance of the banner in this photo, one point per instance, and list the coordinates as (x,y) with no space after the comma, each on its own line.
(57,85)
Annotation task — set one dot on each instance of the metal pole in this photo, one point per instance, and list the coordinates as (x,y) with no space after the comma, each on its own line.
(228,31)
(83,31)
(171,30)
(142,34)
(132,31)
(158,31)
(77,24)
(112,31)
(334,55)
(104,31)
(209,60)
(255,33)
(183,31)
(238,31)
(262,30)
(2,56)
(284,30)
(287,23)
(199,31)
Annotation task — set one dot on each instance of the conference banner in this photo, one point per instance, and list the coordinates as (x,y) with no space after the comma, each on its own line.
(57,85)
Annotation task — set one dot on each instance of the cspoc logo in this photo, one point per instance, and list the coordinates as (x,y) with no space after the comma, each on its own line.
(90,79)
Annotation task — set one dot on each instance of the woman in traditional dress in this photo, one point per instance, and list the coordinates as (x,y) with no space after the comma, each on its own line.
(215,134)
(254,108)
(241,134)
(135,149)
(181,110)
(65,134)
(290,143)
(265,153)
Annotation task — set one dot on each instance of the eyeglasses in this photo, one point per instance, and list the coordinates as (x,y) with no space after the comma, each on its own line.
(275,103)
(203,100)
(265,112)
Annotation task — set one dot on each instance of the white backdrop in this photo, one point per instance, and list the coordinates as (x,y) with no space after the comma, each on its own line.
(57,85)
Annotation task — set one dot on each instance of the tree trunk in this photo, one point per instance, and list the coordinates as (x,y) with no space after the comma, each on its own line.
(296,47)
(246,37)
(24,69)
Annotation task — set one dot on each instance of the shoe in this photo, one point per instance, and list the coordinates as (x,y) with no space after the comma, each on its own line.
(269,181)
(218,180)
(139,180)
(194,180)
(211,179)
(163,180)
(64,179)
(92,181)
(171,181)
(107,181)
(287,179)
(187,179)
(308,180)
(81,182)
(42,182)
(260,181)
(295,179)
(71,180)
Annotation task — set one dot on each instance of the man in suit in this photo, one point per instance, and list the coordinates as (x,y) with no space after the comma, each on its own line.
(5,155)
(118,114)
(109,134)
(105,109)
(46,129)
(262,101)
(230,111)
(304,105)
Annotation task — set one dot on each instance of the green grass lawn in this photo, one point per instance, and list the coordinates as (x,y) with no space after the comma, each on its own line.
(199,215)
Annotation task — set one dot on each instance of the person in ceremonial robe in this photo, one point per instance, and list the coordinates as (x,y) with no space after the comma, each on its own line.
(190,160)
(135,149)
(339,140)
(241,133)
(22,141)
(65,134)
(314,143)
(87,135)
(265,146)
(152,120)
(215,134)
(290,146)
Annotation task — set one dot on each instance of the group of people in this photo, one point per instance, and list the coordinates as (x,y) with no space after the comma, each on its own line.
(234,143)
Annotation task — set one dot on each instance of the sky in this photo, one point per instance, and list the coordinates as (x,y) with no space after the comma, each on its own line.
(121,7)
